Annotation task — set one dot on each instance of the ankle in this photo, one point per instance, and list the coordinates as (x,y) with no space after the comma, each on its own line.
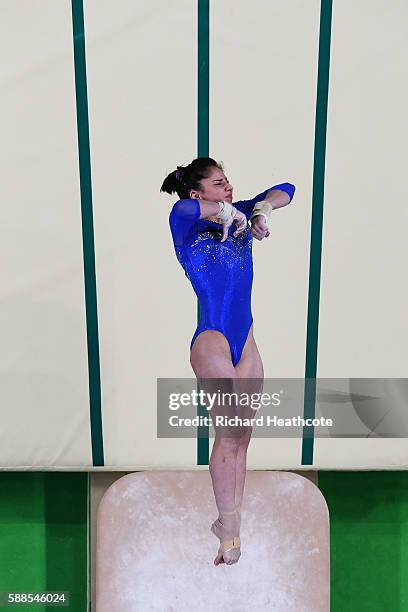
(230,520)
(230,513)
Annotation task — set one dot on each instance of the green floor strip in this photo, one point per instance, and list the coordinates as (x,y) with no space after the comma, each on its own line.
(87,233)
(43,536)
(203,147)
(316,228)
(368,540)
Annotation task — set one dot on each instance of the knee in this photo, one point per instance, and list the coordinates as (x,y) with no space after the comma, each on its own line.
(209,365)
(214,368)
(245,439)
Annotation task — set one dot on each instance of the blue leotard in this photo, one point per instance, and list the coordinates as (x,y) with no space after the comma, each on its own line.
(221,273)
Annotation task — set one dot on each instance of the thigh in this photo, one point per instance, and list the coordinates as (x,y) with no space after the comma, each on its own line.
(250,377)
(211,361)
(250,365)
(210,356)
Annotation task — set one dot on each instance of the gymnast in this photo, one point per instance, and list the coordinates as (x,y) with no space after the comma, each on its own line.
(213,243)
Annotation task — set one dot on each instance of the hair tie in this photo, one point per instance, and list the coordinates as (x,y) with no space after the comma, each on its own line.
(178,173)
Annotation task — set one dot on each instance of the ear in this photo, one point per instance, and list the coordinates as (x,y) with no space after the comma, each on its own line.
(195,195)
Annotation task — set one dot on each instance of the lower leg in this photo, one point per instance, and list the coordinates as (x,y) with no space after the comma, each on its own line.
(223,474)
(240,476)
(241,473)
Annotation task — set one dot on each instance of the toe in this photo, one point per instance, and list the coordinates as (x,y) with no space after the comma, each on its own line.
(219,558)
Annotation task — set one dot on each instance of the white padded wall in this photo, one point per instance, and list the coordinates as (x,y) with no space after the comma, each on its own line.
(141,60)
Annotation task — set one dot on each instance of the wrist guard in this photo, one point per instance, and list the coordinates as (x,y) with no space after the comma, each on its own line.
(226,211)
(263,208)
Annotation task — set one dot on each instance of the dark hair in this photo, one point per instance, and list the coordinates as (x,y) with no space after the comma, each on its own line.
(186,178)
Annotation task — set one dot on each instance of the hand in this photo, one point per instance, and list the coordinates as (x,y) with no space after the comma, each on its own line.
(241,222)
(259,229)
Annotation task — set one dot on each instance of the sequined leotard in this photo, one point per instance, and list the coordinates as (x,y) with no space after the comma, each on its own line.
(221,273)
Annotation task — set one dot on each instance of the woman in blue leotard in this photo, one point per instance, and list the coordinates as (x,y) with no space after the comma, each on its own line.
(213,243)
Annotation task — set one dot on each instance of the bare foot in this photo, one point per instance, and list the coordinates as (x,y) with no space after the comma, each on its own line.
(226,529)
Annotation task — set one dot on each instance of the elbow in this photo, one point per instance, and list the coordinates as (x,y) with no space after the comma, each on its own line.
(279,201)
(175,211)
(187,209)
(181,207)
(290,189)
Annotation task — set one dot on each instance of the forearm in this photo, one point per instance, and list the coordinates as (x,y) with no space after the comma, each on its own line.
(277,198)
(208,209)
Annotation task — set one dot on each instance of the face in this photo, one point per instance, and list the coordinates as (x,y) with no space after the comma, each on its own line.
(215,188)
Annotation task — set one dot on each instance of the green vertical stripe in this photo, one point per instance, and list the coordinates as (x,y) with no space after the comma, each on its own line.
(203,69)
(203,147)
(87,233)
(316,227)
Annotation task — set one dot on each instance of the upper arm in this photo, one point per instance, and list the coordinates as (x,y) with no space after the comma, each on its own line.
(182,217)
(247,206)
